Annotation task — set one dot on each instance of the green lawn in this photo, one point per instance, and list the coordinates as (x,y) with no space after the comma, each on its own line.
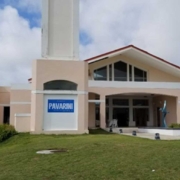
(89,157)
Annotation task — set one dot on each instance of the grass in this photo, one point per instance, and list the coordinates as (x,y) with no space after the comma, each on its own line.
(99,156)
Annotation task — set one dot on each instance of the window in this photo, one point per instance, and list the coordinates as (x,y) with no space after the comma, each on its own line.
(120,71)
(130,73)
(140,102)
(97,109)
(100,74)
(120,102)
(139,75)
(107,102)
(110,72)
(60,85)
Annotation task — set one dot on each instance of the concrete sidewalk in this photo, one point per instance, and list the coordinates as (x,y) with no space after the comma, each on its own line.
(152,136)
(128,132)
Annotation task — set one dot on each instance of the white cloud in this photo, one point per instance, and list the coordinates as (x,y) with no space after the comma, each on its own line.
(151,25)
(19,46)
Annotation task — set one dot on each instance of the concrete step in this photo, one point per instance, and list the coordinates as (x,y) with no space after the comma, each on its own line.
(125,130)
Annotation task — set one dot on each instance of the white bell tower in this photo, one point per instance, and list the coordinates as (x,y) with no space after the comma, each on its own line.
(60,29)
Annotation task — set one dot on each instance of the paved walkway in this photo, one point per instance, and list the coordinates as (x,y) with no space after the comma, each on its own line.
(152,136)
(128,132)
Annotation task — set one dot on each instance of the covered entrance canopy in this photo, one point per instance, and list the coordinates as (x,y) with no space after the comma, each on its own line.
(133,110)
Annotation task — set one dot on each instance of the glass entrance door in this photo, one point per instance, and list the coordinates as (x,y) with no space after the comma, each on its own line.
(122,115)
(141,116)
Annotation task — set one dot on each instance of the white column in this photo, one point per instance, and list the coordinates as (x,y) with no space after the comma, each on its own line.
(131,122)
(102,113)
(178,109)
(110,108)
(60,29)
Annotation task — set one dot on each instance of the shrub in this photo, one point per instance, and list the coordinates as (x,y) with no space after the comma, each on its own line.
(6,131)
(174,125)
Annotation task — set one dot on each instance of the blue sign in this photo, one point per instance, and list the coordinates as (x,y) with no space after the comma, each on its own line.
(60,106)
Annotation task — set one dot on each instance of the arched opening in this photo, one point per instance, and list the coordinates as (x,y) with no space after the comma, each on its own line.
(62,85)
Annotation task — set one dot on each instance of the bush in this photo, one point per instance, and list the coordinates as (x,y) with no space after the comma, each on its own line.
(174,125)
(6,131)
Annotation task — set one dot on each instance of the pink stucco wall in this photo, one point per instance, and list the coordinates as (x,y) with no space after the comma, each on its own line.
(20,103)
(91,117)
(22,124)
(49,70)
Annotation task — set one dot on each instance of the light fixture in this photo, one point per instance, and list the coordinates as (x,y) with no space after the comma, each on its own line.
(110,130)
(134,133)
(121,131)
(157,136)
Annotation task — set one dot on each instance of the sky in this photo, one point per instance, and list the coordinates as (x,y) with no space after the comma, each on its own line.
(105,25)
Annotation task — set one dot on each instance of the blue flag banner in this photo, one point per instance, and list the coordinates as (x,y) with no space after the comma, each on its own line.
(60,106)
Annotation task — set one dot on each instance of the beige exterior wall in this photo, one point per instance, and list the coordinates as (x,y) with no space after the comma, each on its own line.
(18,109)
(25,102)
(91,118)
(4,100)
(153,74)
(22,124)
(49,70)
(20,95)
(20,103)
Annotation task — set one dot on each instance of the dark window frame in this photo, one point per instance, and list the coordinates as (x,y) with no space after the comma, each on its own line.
(121,78)
(101,78)
(63,85)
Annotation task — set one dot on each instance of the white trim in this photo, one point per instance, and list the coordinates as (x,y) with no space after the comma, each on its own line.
(22,115)
(20,103)
(144,85)
(21,87)
(5,105)
(96,101)
(60,92)
(110,55)
(65,58)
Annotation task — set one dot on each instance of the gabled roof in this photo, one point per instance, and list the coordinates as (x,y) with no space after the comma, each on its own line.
(128,50)
(125,49)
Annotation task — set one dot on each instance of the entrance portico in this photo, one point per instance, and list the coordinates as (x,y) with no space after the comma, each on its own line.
(131,110)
